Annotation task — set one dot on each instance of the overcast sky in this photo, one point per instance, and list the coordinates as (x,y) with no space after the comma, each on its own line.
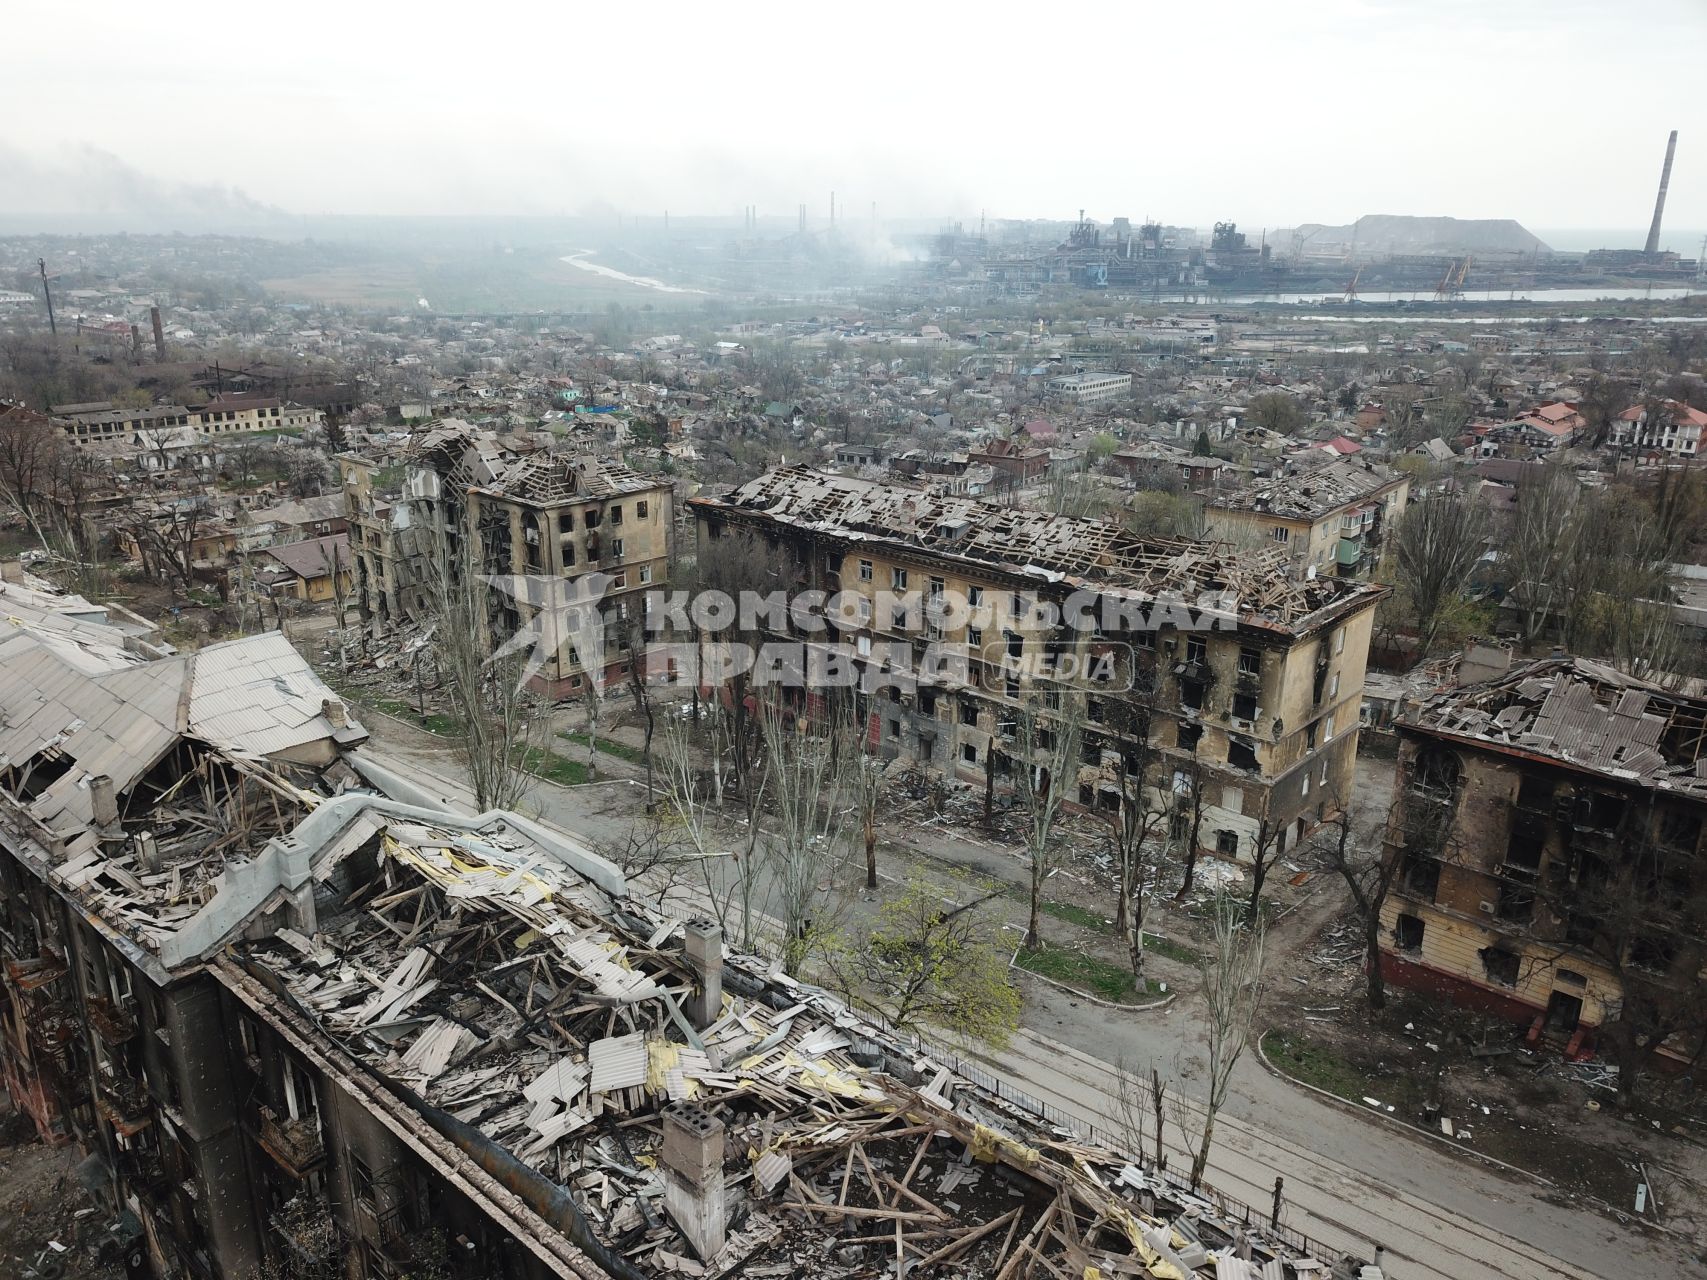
(1554,112)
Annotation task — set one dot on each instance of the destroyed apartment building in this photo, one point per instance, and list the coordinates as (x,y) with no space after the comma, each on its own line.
(1244,682)
(1548,825)
(472,499)
(310,1023)
(1327,516)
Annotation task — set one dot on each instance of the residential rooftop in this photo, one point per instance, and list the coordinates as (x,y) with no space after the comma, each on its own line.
(1583,715)
(1258,587)
(1307,493)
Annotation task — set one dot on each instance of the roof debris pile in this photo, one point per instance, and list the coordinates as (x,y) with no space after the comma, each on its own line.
(1306,492)
(1583,714)
(484,975)
(1254,584)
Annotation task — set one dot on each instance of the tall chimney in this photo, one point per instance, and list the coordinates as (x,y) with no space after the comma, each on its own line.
(159,334)
(1660,202)
(692,1157)
(702,947)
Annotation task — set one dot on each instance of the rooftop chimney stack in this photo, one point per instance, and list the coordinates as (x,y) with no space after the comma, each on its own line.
(702,947)
(103,801)
(1660,203)
(692,1157)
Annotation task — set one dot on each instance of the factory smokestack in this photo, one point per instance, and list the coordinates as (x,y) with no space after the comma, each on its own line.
(1660,203)
(159,335)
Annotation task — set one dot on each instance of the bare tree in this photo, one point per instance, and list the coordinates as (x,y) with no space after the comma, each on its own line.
(1231,983)
(1543,541)
(1265,852)
(1142,810)
(334,558)
(1369,876)
(805,784)
(1185,815)
(693,793)
(1435,549)
(501,725)
(1046,762)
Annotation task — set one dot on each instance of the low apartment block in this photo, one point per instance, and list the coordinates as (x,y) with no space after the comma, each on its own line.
(1329,516)
(1548,826)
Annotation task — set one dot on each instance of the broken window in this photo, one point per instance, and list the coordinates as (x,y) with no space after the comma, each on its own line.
(565,522)
(592,517)
(969,753)
(1421,875)
(361,1182)
(616,515)
(898,579)
(1196,650)
(641,510)
(1499,965)
(1241,753)
(1245,706)
(927,702)
(1091,751)
(1601,811)
(1310,737)
(865,571)
(1250,662)
(1191,694)
(1516,903)
(1016,644)
(1525,846)
(1227,843)
(1535,791)
(1408,933)
(1679,830)
(1188,736)
(968,711)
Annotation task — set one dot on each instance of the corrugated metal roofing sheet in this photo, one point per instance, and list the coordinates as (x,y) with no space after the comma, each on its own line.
(617,1062)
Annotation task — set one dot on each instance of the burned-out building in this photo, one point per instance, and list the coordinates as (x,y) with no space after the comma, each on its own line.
(1233,680)
(1548,830)
(311,1023)
(145,799)
(528,516)
(1329,516)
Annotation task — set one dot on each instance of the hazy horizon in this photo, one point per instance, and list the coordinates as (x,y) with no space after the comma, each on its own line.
(1275,116)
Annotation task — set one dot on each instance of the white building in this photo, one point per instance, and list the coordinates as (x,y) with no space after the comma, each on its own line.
(1092,388)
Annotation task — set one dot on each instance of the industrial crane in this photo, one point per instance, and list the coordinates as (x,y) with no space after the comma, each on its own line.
(1351,288)
(1452,280)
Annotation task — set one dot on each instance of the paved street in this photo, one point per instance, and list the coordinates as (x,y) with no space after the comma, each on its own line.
(1351,1182)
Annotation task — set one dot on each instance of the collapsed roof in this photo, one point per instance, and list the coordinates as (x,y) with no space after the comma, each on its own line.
(492,981)
(474,459)
(148,790)
(1585,715)
(1309,493)
(1257,586)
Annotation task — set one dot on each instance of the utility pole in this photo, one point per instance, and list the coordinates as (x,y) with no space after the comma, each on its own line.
(48,294)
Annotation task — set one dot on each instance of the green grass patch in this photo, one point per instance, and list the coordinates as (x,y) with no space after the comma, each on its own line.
(1315,1064)
(554,768)
(435,723)
(1085,973)
(621,750)
(1176,951)
(1096,922)
(1072,914)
